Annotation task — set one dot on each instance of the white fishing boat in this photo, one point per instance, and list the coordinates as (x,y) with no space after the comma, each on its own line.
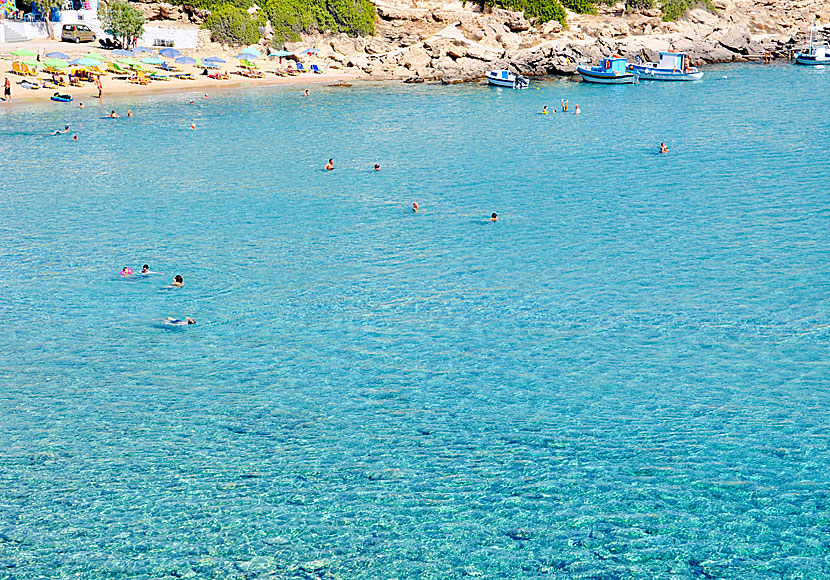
(505,78)
(672,66)
(815,54)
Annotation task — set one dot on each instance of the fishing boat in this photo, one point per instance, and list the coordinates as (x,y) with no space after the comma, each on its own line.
(612,71)
(814,55)
(505,78)
(672,66)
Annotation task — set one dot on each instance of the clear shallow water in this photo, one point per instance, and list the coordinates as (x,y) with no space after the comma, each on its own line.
(625,377)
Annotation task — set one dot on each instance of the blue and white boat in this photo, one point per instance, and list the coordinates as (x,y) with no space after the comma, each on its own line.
(815,54)
(612,71)
(672,66)
(505,78)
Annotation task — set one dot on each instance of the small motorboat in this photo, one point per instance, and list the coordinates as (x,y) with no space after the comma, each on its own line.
(505,78)
(612,71)
(672,66)
(62,98)
(815,55)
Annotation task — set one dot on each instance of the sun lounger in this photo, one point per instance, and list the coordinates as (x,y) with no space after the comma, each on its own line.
(139,79)
(114,67)
(157,76)
(169,67)
(252,74)
(17,69)
(300,67)
(32,72)
(184,77)
(316,69)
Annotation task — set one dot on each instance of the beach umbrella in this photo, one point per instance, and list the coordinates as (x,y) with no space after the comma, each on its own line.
(83,61)
(215,59)
(152,60)
(23,52)
(57,55)
(170,53)
(121,52)
(31,63)
(310,51)
(252,51)
(282,53)
(55,63)
(97,57)
(127,61)
(186,60)
(245,56)
(141,49)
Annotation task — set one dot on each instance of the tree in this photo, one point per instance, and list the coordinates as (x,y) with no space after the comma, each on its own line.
(122,20)
(46,7)
(232,25)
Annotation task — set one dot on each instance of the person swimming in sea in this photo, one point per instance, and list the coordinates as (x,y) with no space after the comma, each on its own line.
(576,110)
(415,207)
(377,167)
(126,271)
(178,280)
(545,110)
(74,137)
(129,113)
(494,217)
(330,165)
(178,321)
(59,131)
(663,148)
(564,106)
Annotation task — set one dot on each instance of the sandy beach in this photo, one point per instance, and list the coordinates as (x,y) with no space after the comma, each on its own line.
(114,85)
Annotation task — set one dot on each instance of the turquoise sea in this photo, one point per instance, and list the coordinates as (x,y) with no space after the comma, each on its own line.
(624,377)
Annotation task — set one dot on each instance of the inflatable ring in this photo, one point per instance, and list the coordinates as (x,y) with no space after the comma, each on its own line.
(607,64)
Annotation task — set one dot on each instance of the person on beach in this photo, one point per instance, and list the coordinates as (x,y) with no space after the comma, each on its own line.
(7,90)
(377,167)
(114,115)
(415,207)
(129,113)
(663,148)
(576,110)
(100,87)
(330,165)
(59,131)
(494,217)
(178,280)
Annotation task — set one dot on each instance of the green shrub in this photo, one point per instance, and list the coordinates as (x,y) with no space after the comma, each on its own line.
(289,18)
(580,6)
(541,10)
(232,25)
(638,4)
(674,9)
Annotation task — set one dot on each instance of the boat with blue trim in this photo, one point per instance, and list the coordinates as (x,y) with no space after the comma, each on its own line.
(815,55)
(505,78)
(672,66)
(612,71)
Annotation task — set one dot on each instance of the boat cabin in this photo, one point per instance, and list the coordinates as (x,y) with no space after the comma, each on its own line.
(820,52)
(614,64)
(673,61)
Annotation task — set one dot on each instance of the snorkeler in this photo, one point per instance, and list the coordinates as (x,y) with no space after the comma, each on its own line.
(178,321)
(59,131)
(178,280)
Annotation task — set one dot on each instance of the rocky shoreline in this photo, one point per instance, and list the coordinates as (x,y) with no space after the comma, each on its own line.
(419,40)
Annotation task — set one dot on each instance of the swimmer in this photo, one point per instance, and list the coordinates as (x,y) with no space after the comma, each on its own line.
(146,271)
(81,105)
(663,148)
(205,96)
(59,131)
(114,115)
(377,167)
(564,106)
(126,271)
(193,126)
(178,280)
(179,322)
(576,110)
(494,217)
(306,93)
(415,207)
(192,102)
(129,113)
(330,165)
(74,137)
(545,110)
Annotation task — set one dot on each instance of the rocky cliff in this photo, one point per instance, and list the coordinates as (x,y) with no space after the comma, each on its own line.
(444,40)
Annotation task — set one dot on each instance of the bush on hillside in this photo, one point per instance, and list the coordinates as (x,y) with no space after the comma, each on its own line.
(580,6)
(675,9)
(541,10)
(638,4)
(290,18)
(232,25)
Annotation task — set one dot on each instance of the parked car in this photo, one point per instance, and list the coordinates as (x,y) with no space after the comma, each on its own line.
(77,33)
